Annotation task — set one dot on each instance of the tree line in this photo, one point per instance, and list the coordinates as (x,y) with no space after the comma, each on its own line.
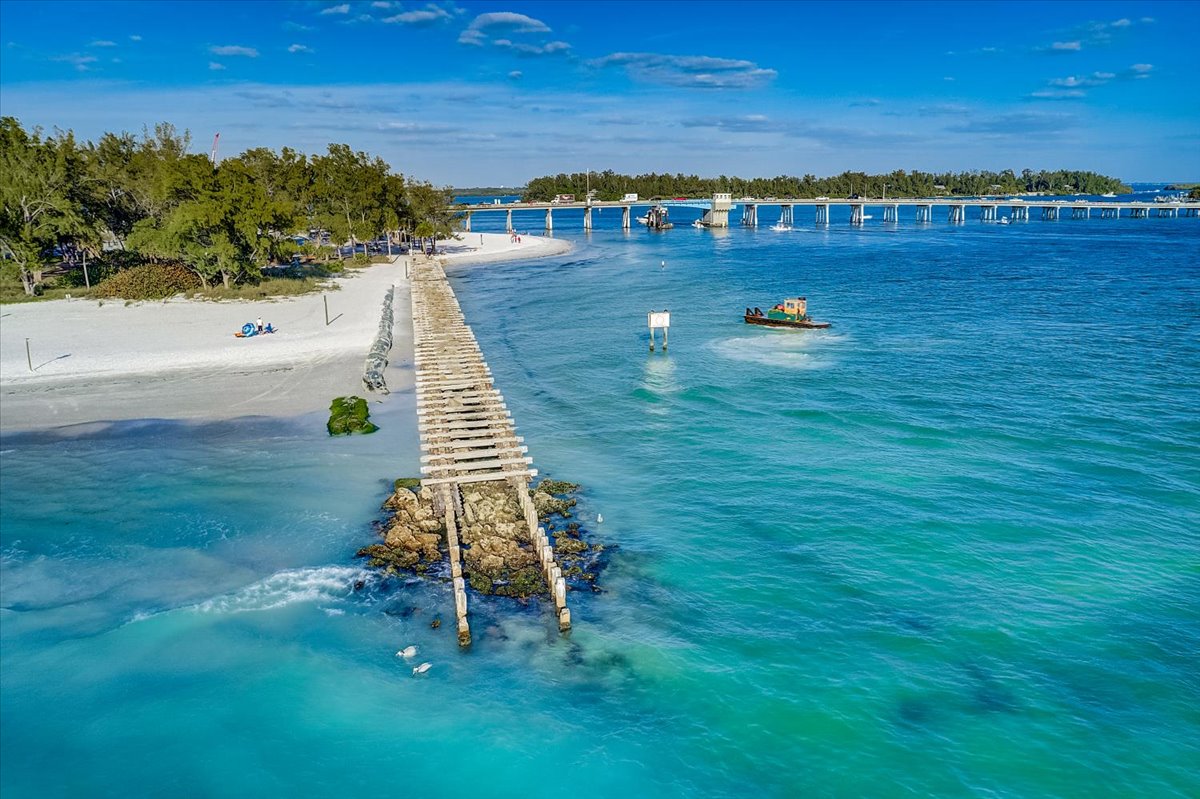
(62,200)
(609,185)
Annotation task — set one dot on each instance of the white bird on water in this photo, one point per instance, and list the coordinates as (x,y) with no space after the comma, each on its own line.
(407,652)
(599,518)
(424,667)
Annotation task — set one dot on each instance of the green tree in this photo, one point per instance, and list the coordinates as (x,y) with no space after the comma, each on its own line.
(37,206)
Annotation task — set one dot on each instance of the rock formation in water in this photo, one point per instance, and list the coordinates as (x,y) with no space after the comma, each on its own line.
(497,556)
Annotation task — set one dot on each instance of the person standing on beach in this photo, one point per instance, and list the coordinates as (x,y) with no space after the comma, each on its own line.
(258,325)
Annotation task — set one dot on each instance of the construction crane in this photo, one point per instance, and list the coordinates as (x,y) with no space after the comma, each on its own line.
(213,156)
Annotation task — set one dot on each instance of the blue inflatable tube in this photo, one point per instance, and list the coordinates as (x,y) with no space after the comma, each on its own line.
(248,329)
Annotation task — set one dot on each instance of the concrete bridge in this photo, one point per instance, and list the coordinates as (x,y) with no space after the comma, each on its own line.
(953,209)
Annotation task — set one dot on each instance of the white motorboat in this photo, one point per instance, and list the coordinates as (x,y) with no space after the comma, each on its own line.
(780,226)
(868,216)
(1108,196)
(1002,220)
(697,223)
(643,220)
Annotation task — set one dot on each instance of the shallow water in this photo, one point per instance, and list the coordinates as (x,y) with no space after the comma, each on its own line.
(948,547)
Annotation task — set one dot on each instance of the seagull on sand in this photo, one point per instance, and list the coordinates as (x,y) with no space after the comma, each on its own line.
(407,652)
(424,667)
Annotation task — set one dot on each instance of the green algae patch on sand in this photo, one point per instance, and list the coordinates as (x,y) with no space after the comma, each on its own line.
(349,415)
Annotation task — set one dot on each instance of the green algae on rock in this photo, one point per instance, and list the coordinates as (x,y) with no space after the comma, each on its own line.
(349,415)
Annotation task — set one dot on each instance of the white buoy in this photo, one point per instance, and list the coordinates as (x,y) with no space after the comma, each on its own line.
(424,667)
(407,652)
(599,518)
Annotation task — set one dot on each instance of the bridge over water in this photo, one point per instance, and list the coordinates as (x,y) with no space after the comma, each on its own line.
(925,210)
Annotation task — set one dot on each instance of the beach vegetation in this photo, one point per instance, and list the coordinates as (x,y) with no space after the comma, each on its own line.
(64,204)
(151,281)
(609,185)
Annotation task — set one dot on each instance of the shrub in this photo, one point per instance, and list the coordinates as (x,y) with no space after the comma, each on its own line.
(102,269)
(149,282)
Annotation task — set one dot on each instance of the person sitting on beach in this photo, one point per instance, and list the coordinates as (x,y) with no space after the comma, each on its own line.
(268,328)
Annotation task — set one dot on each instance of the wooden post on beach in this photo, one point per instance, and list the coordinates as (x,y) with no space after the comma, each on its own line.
(86,280)
(28,357)
(326,299)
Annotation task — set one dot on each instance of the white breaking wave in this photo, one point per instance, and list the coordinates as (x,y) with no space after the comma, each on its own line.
(315,584)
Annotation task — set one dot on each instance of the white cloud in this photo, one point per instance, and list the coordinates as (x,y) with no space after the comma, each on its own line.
(511,25)
(233,49)
(344,8)
(509,21)
(699,72)
(214,66)
(1058,94)
(472,37)
(515,75)
(103,43)
(422,16)
(299,48)
(135,38)
(1142,67)
(1067,47)
(948,78)
(532,49)
(78,60)
(381,4)
(1074,81)
(296,26)
(1121,23)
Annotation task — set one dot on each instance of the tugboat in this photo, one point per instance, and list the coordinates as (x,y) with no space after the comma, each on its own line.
(656,219)
(792,312)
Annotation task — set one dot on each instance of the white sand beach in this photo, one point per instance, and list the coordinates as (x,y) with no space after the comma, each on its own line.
(179,359)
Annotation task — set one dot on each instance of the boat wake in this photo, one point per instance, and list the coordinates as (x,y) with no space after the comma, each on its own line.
(782,349)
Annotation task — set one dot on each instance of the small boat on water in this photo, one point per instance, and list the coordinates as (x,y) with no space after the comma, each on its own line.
(792,312)
(656,219)
(699,224)
(1108,196)
(1002,220)
(780,226)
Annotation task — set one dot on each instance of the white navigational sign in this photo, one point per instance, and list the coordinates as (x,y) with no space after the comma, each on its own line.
(657,319)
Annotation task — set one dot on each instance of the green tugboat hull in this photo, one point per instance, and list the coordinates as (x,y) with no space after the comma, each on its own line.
(768,322)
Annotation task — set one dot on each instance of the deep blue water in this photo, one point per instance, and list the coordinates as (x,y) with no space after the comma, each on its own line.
(949,547)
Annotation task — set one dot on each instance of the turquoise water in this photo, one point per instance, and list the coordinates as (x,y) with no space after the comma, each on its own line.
(949,547)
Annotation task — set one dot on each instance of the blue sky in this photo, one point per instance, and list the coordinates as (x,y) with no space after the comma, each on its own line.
(495,93)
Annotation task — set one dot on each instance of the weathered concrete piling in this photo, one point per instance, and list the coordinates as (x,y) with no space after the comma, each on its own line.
(474,463)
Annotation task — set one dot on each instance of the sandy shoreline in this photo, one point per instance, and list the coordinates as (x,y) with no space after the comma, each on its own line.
(179,359)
